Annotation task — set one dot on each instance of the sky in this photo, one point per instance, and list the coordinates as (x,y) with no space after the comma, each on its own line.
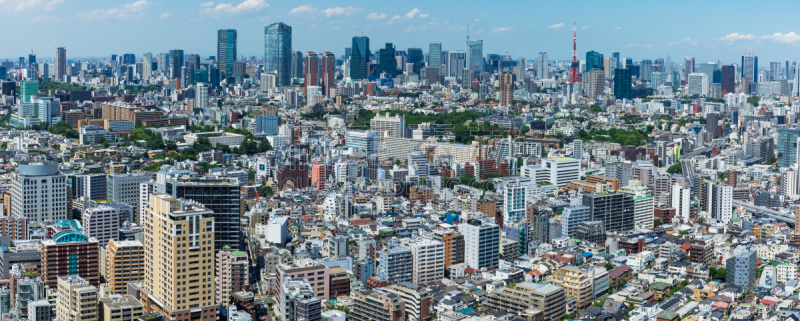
(705,29)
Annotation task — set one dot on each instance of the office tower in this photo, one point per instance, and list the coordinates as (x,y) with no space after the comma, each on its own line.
(688,67)
(542,66)
(622,84)
(774,71)
(176,291)
(428,259)
(359,58)
(128,59)
(28,89)
(645,69)
(226,51)
(720,198)
(417,164)
(394,126)
(101,222)
(311,71)
(681,202)
(740,270)
(749,72)
(728,79)
(481,244)
(787,146)
(70,252)
(327,69)
(201,97)
(278,52)
(221,196)
(124,263)
(297,64)
(267,124)
(435,55)
(32,60)
(77,299)
(795,84)
(124,188)
(456,63)
(615,210)
(163,62)
(546,298)
(147,65)
(520,68)
(506,90)
(267,82)
(231,274)
(39,192)
(388,63)
(61,64)
(698,84)
(416,57)
(192,64)
(615,55)
(474,55)
(594,81)
(712,124)
(594,60)
(176,63)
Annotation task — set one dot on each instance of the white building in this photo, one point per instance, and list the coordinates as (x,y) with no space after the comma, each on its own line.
(641,260)
(481,244)
(394,125)
(124,188)
(101,222)
(39,192)
(698,84)
(278,230)
(720,201)
(681,201)
(201,96)
(556,171)
(215,138)
(428,258)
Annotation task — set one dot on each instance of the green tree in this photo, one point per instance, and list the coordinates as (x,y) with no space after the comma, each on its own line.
(608,266)
(675,169)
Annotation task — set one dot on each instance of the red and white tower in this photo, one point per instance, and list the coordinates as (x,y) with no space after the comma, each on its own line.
(574,72)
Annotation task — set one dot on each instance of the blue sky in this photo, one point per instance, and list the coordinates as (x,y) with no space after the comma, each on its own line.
(707,30)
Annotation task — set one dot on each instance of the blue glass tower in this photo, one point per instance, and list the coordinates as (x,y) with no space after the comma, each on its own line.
(226,50)
(278,52)
(359,58)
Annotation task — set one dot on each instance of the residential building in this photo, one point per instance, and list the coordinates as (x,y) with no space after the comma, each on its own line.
(70,252)
(120,308)
(232,274)
(124,263)
(481,244)
(547,298)
(428,260)
(576,284)
(616,210)
(76,300)
(740,270)
(377,304)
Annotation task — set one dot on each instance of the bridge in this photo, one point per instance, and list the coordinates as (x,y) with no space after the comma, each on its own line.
(765,212)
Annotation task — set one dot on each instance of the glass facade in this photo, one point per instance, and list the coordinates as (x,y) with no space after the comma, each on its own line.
(226,50)
(278,52)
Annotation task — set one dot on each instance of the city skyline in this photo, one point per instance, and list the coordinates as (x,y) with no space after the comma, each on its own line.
(712,31)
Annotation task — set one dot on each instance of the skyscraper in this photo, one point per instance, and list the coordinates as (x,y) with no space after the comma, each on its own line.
(622,83)
(278,52)
(616,57)
(728,79)
(359,58)
(388,63)
(435,55)
(174,291)
(506,91)
(226,51)
(688,67)
(311,72)
(192,64)
(61,63)
(475,55)
(147,65)
(787,146)
(415,57)
(542,66)
(711,124)
(327,71)
(594,60)
(297,64)
(176,58)
(720,198)
(201,97)
(456,62)
(750,71)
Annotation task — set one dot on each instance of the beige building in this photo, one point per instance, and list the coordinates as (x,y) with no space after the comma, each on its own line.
(119,308)
(575,283)
(124,263)
(516,298)
(232,274)
(77,299)
(179,275)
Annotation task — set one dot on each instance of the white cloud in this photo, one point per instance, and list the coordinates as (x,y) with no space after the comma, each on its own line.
(787,38)
(501,29)
(586,27)
(340,11)
(20,5)
(738,36)
(230,8)
(303,9)
(165,15)
(616,28)
(127,11)
(477,20)
(556,26)
(414,13)
(376,16)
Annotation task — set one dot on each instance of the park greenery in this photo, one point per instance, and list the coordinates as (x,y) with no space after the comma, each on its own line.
(636,137)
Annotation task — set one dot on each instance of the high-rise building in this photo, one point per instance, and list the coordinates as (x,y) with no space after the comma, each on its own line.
(697,84)
(359,58)
(435,55)
(70,252)
(688,67)
(594,60)
(387,63)
(101,222)
(720,201)
(542,66)
(28,89)
(267,124)
(519,70)
(124,188)
(311,71)
(278,52)
(428,259)
(77,299)
(506,90)
(393,126)
(176,63)
(728,79)
(377,304)
(615,210)
(474,55)
(456,62)
(187,242)
(231,274)
(549,299)
(787,146)
(201,97)
(124,263)
(481,244)
(681,202)
(416,58)
(221,196)
(61,64)
(327,70)
(39,192)
(749,70)
(514,202)
(740,270)
(594,81)
(226,51)
(396,265)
